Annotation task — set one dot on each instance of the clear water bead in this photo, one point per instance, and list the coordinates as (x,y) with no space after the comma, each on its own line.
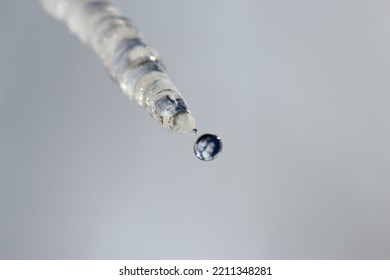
(194,132)
(208,147)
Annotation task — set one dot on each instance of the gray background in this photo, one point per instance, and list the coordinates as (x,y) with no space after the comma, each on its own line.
(298,91)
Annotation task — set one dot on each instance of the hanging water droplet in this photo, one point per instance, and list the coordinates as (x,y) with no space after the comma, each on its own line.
(208,147)
(194,132)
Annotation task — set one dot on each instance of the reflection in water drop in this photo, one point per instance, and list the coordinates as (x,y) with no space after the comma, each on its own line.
(208,147)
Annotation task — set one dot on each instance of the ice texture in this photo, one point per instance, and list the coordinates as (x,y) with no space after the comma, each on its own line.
(133,65)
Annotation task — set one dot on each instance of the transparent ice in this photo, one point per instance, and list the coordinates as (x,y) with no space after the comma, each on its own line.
(208,147)
(133,65)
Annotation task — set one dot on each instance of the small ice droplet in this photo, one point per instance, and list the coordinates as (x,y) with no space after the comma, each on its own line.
(208,147)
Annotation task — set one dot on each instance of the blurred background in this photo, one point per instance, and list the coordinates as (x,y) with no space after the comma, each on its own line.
(297,90)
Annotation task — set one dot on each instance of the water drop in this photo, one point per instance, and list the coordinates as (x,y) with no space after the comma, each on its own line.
(208,147)
(194,132)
